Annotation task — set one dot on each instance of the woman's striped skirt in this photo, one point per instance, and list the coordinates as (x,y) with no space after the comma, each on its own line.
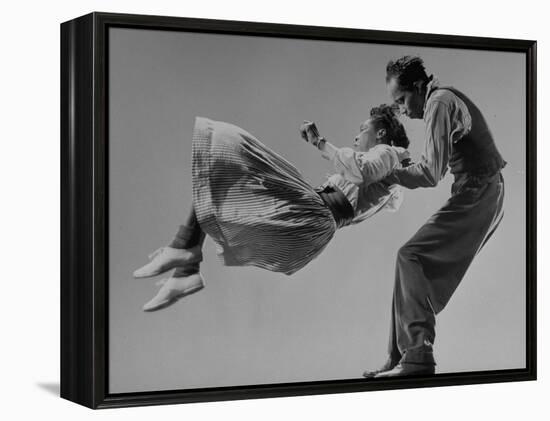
(253,203)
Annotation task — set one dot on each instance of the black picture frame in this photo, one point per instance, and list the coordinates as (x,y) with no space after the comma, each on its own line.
(84,208)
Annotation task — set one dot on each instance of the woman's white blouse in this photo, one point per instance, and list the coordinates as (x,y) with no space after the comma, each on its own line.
(357,175)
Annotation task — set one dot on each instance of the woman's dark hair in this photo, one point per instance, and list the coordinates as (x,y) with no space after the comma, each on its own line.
(406,70)
(384,117)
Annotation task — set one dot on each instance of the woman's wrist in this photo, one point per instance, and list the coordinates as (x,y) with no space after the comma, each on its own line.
(328,150)
(320,144)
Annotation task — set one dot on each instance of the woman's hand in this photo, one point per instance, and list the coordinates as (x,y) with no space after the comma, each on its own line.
(310,134)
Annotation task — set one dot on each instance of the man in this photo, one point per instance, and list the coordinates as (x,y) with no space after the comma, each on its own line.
(432,263)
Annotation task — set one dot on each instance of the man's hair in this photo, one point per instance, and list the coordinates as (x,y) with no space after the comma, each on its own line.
(406,70)
(384,117)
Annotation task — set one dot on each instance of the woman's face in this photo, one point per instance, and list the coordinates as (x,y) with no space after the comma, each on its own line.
(367,138)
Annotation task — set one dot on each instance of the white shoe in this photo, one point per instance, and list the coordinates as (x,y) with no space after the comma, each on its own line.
(173,289)
(166,258)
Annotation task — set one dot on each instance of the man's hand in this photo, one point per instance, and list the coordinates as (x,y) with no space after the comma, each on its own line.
(309,133)
(403,154)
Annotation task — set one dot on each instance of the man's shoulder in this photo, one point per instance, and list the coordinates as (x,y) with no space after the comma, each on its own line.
(442,94)
(443,98)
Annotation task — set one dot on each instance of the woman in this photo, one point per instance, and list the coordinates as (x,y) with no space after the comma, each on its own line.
(260,211)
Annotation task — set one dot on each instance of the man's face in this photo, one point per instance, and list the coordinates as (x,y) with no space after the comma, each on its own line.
(411,103)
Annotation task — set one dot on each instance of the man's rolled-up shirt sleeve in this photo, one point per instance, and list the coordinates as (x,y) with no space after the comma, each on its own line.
(433,165)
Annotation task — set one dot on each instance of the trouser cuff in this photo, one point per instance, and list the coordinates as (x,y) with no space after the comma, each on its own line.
(421,355)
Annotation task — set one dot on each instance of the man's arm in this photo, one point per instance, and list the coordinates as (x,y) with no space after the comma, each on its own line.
(433,164)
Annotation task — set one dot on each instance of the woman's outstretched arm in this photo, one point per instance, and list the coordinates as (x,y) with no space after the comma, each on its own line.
(357,167)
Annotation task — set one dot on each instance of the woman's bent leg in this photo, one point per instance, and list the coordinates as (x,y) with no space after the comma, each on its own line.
(189,235)
(183,251)
(186,278)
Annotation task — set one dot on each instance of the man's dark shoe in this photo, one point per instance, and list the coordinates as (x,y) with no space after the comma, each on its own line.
(408,369)
(388,365)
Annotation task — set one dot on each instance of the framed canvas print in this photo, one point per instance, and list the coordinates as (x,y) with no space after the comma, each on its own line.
(254,210)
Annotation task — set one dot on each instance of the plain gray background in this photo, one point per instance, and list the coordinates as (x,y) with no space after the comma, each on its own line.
(30,174)
(330,320)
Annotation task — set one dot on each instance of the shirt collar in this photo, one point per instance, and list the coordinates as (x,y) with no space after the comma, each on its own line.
(433,84)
